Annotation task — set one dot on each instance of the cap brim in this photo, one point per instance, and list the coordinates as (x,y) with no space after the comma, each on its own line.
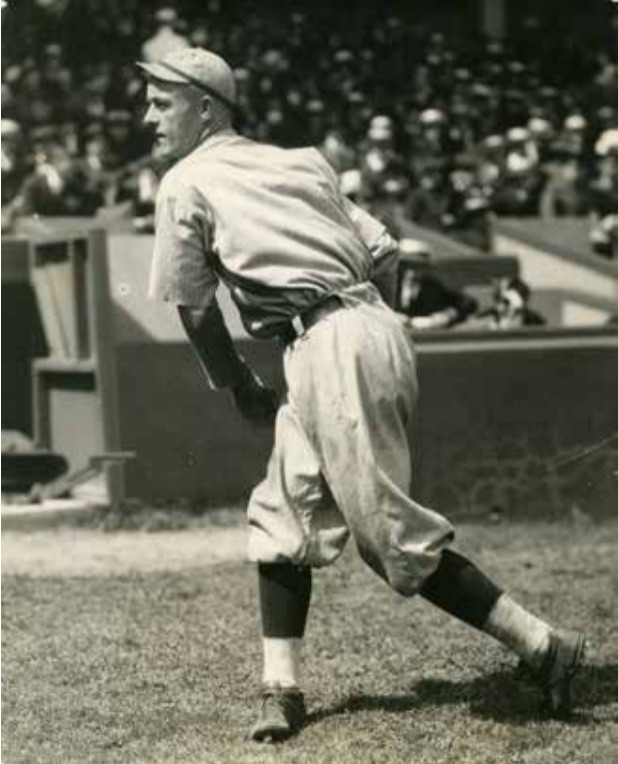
(159,72)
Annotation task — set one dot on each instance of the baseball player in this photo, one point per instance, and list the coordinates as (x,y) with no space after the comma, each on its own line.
(307,266)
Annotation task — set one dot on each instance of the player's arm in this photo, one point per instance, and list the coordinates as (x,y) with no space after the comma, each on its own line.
(383,248)
(385,269)
(223,366)
(384,251)
(181,275)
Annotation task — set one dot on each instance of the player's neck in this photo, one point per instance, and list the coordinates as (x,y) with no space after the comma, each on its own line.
(216,130)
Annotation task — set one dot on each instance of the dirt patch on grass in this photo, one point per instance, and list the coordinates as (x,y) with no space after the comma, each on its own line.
(81,552)
(118,544)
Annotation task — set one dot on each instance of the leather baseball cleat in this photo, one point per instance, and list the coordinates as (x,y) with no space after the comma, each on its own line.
(564,657)
(282,713)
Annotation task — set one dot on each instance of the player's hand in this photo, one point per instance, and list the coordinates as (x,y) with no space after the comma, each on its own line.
(423,322)
(256,402)
(438,320)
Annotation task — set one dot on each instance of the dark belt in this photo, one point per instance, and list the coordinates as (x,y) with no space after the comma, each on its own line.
(302,322)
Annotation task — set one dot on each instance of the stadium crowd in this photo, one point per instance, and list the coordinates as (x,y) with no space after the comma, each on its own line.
(420,126)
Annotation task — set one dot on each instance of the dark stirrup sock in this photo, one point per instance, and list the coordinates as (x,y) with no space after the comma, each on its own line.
(285,594)
(458,587)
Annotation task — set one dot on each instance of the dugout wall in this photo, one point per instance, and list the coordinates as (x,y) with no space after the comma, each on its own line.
(517,424)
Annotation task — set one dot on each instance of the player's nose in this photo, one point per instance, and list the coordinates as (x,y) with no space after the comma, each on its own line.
(149,116)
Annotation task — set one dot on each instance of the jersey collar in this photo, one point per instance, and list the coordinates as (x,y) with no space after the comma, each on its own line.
(224,136)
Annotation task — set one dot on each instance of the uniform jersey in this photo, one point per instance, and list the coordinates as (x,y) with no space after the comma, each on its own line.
(270,222)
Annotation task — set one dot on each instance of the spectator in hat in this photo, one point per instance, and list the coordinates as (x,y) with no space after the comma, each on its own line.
(165,38)
(391,203)
(574,135)
(57,185)
(604,236)
(14,168)
(460,132)
(566,189)
(429,163)
(121,135)
(511,308)
(315,121)
(491,163)
(604,195)
(467,212)
(606,118)
(428,196)
(275,126)
(519,191)
(11,146)
(339,153)
(543,134)
(379,160)
(433,123)
(522,154)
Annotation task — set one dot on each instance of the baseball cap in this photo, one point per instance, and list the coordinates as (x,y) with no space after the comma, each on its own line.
(539,126)
(166,15)
(380,128)
(607,142)
(493,141)
(432,117)
(9,128)
(575,122)
(517,134)
(198,67)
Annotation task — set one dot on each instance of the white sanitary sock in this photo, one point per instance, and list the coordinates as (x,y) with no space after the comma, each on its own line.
(519,630)
(281,661)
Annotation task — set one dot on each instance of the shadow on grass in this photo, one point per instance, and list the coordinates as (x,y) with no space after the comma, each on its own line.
(500,696)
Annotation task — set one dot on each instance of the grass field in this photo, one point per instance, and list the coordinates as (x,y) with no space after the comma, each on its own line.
(163,667)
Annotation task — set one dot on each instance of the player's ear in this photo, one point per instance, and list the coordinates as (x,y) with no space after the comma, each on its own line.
(205,108)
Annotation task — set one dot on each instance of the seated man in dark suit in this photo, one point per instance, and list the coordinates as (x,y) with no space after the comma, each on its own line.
(511,307)
(430,304)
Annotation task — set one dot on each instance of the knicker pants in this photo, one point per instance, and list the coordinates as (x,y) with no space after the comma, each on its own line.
(341,460)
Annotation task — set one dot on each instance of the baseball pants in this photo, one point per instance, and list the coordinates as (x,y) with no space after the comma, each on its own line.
(341,459)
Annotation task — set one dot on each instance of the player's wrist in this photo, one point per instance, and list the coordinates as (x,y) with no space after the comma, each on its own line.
(242,379)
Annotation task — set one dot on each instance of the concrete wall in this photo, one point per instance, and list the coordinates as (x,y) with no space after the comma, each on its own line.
(190,441)
(519,425)
(572,285)
(505,424)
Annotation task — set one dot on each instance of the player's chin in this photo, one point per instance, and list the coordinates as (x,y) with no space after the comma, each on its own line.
(161,149)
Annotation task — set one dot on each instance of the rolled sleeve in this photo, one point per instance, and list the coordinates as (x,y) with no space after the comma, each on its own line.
(377,239)
(180,273)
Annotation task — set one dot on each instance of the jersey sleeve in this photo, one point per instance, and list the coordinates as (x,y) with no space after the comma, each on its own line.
(377,239)
(180,273)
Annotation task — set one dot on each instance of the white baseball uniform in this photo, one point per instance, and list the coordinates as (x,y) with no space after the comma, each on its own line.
(273,224)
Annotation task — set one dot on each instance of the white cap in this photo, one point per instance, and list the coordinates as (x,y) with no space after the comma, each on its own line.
(166,15)
(539,126)
(575,122)
(607,142)
(195,66)
(381,120)
(493,141)
(517,135)
(9,128)
(431,116)
(380,127)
